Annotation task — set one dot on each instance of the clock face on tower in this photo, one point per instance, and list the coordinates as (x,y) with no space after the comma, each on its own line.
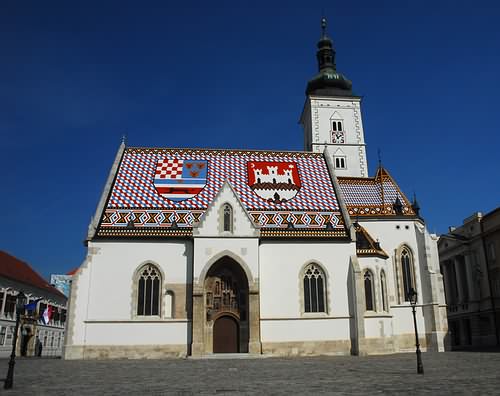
(337,131)
(338,137)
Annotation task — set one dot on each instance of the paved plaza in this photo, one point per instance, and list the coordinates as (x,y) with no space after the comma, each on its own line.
(457,373)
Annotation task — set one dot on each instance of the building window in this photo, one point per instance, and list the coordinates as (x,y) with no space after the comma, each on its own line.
(10,305)
(492,252)
(383,290)
(369,296)
(408,273)
(3,330)
(148,291)
(337,125)
(314,289)
(227,218)
(340,162)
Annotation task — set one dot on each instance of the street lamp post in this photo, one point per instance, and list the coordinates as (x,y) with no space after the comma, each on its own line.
(19,309)
(413,301)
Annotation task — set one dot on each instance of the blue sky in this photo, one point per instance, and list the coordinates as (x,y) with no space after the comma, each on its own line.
(74,79)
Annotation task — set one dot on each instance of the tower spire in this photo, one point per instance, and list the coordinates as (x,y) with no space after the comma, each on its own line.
(326,52)
(323,27)
(328,81)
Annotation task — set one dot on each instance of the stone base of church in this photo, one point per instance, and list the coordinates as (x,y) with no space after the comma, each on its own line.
(388,345)
(125,352)
(305,348)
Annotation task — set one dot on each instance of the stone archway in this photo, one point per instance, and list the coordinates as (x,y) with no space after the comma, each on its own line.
(225,287)
(226,307)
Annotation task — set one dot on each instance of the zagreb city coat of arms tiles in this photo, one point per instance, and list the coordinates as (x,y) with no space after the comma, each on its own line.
(274,181)
(172,188)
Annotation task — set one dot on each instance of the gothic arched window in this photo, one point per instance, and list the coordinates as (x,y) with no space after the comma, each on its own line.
(148,291)
(227,218)
(369,295)
(314,289)
(383,290)
(408,272)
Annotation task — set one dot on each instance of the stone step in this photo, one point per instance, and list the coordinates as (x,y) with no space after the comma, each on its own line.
(231,356)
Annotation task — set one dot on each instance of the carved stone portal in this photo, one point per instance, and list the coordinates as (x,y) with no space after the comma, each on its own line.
(226,308)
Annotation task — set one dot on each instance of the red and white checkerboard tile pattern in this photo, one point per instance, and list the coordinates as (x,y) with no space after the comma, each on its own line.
(169,169)
(134,186)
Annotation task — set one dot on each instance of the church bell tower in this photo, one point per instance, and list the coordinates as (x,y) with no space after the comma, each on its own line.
(331,117)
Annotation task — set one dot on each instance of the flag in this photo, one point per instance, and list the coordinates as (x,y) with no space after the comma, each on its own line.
(47,314)
(32,305)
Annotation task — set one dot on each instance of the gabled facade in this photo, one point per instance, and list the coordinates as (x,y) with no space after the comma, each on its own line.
(260,252)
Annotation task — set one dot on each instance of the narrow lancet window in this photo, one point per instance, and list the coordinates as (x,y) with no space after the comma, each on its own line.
(228,218)
(408,273)
(369,300)
(314,289)
(149,291)
(383,289)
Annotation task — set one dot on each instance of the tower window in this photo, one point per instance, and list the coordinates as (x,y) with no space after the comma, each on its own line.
(340,162)
(337,126)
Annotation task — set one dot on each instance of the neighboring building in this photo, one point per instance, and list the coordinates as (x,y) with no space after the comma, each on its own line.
(16,276)
(62,282)
(197,251)
(471,269)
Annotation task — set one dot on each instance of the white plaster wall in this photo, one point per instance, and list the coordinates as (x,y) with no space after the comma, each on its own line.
(114,267)
(208,250)
(137,333)
(281,264)
(104,290)
(378,326)
(403,320)
(305,330)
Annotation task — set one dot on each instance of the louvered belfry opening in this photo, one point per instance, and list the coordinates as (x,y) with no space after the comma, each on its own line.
(226,306)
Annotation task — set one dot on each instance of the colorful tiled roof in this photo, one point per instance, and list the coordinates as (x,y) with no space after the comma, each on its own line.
(366,245)
(17,270)
(160,192)
(374,196)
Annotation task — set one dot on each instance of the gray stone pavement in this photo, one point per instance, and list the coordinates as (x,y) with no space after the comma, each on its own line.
(457,373)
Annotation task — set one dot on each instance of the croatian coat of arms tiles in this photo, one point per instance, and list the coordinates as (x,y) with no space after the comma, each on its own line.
(180,179)
(276,182)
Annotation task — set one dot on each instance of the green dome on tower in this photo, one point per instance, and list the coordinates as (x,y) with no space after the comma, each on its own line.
(328,81)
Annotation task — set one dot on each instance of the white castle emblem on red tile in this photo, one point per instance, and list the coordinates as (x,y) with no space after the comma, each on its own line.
(276,182)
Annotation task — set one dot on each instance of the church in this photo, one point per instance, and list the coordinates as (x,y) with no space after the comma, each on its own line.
(194,252)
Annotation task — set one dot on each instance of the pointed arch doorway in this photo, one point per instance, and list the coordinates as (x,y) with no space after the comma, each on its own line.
(226,306)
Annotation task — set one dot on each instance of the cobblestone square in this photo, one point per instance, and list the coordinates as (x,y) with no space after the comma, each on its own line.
(457,373)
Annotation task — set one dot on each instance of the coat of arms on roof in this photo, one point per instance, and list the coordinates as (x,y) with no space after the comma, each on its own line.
(180,179)
(276,182)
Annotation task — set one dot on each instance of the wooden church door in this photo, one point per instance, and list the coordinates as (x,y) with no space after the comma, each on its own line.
(226,335)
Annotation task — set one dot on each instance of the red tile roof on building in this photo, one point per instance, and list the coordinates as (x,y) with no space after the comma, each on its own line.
(73,271)
(374,196)
(17,270)
(160,192)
